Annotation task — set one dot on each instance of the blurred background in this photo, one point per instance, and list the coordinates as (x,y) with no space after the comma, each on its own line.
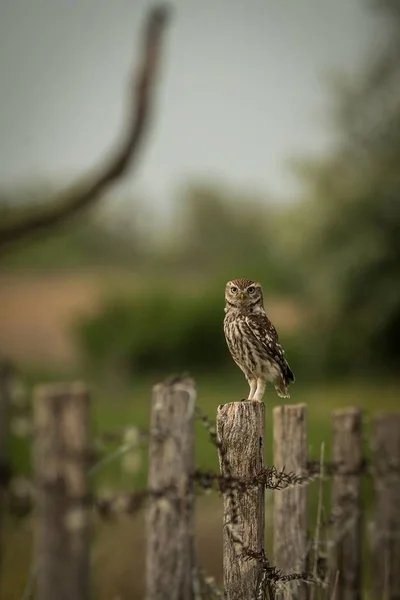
(273,154)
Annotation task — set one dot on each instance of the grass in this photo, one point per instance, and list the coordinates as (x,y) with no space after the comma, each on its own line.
(133,407)
(117,564)
(115,408)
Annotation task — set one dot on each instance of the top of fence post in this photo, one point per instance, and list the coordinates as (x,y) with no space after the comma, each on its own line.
(62,511)
(346,553)
(291,546)
(241,444)
(170,565)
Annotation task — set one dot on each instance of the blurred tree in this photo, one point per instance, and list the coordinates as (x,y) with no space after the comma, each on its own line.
(85,193)
(350,217)
(96,239)
(227,237)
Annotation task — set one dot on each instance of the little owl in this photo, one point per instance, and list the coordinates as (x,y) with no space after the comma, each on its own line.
(253,341)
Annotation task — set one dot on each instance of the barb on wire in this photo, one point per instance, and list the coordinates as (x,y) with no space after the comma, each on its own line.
(272,578)
(268,477)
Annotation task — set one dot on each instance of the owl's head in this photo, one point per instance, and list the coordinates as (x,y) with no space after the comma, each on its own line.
(243,293)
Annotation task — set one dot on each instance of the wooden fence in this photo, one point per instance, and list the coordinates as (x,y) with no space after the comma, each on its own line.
(325,562)
(331,567)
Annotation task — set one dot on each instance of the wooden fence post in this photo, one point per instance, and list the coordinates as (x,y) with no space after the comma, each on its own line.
(385,445)
(170,567)
(241,435)
(61,461)
(346,558)
(290,505)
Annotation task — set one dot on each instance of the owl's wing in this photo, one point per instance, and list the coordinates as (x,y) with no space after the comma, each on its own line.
(264,331)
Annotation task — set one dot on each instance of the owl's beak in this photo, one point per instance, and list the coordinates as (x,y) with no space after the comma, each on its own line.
(242,297)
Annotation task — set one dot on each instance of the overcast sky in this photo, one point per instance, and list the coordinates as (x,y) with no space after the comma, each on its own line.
(242,87)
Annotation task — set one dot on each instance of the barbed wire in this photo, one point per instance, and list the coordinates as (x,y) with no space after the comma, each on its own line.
(126,437)
(127,442)
(271,579)
(22,492)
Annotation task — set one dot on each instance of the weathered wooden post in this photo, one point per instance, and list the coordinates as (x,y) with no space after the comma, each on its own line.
(290,504)
(61,461)
(170,569)
(346,557)
(241,434)
(385,445)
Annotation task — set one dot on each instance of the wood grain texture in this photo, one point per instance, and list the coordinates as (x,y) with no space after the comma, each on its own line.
(241,435)
(170,519)
(62,518)
(346,557)
(385,446)
(290,504)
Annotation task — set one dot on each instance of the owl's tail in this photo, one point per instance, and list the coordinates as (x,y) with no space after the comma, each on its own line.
(282,391)
(282,387)
(289,375)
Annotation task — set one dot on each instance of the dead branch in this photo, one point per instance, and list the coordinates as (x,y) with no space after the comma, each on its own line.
(83,194)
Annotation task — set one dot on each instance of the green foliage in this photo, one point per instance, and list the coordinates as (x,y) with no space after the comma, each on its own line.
(337,251)
(89,240)
(160,332)
(348,222)
(156,333)
(221,235)
(213,235)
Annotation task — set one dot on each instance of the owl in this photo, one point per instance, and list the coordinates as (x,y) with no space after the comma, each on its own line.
(253,341)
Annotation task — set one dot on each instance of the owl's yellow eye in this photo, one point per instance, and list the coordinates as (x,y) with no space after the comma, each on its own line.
(233,289)
(251,289)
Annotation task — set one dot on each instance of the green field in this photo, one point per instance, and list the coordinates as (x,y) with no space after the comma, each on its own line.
(134,406)
(118,549)
(113,409)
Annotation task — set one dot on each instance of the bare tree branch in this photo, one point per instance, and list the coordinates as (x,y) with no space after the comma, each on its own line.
(83,194)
